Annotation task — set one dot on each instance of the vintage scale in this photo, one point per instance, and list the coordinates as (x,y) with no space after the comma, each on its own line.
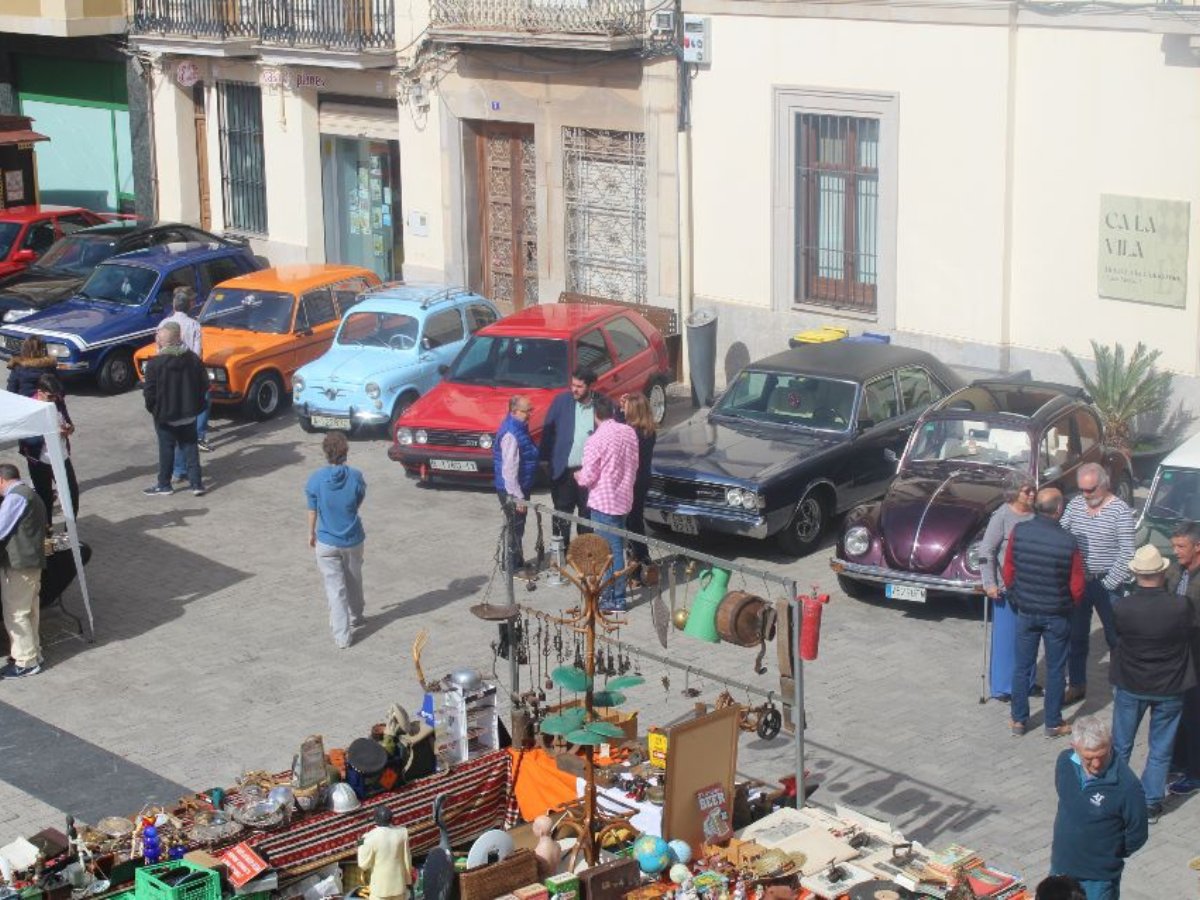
(587,559)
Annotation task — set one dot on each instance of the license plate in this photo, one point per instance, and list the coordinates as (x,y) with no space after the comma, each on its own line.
(904,592)
(682,524)
(340,422)
(454,465)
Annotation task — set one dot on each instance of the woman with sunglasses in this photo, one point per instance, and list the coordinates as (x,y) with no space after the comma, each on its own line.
(1019,493)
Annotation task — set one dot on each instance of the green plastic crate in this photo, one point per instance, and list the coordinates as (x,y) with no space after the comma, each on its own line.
(201,887)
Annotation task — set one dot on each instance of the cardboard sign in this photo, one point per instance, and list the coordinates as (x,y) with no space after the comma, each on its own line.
(244,864)
(714,814)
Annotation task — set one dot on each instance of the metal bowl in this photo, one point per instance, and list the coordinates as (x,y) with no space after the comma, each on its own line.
(466,678)
(115,826)
(261,814)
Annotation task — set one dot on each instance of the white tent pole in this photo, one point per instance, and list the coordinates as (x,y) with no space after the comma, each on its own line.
(58,465)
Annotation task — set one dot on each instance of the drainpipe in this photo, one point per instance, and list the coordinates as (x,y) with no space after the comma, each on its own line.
(1010,124)
(683,151)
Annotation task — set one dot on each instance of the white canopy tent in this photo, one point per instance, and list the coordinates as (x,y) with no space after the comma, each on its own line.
(22,417)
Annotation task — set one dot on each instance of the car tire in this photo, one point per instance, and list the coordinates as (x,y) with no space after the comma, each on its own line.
(306,425)
(803,533)
(855,589)
(265,396)
(116,373)
(656,397)
(402,404)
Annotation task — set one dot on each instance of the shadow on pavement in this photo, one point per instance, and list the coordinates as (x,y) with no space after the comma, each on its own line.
(458,589)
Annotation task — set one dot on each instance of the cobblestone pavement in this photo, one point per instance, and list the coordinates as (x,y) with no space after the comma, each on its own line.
(213,655)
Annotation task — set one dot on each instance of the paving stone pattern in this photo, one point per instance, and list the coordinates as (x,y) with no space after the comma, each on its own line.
(213,655)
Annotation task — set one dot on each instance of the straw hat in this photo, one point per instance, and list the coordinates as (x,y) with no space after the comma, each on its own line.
(1148,561)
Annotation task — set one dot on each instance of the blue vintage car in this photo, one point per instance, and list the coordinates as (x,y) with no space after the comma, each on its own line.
(388,351)
(96,332)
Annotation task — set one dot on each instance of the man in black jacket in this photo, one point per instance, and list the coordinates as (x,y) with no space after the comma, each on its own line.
(1151,668)
(1043,570)
(176,391)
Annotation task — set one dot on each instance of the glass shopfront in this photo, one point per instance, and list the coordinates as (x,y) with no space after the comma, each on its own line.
(360,179)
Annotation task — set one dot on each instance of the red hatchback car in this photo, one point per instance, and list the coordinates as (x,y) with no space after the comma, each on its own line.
(26,232)
(447,434)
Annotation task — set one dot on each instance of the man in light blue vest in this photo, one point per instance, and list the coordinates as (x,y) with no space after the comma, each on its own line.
(515,463)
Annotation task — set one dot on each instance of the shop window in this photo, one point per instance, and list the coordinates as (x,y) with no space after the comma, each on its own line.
(443,329)
(243,169)
(592,353)
(627,339)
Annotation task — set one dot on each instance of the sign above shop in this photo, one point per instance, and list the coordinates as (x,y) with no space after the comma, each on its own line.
(187,73)
(291,79)
(1143,250)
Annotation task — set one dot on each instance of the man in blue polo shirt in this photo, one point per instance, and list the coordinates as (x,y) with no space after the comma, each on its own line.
(1101,818)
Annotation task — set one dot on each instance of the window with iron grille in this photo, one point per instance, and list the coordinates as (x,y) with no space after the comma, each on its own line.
(243,170)
(837,211)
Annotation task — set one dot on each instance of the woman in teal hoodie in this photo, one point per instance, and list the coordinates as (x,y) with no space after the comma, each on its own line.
(335,531)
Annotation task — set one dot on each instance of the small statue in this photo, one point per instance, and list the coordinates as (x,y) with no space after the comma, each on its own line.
(383,851)
(547,851)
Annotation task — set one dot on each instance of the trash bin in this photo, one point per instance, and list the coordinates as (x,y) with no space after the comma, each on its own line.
(870,337)
(822,335)
(702,355)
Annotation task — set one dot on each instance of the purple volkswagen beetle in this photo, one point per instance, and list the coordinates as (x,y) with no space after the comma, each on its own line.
(924,534)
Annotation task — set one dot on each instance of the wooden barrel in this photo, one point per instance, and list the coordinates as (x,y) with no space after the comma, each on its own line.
(739,618)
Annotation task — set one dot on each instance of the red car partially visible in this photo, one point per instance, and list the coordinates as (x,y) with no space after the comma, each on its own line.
(26,232)
(447,434)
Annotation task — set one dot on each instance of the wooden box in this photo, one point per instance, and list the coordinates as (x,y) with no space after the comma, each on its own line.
(498,878)
(610,880)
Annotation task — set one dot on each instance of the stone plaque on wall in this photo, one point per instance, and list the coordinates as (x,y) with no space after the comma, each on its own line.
(1143,252)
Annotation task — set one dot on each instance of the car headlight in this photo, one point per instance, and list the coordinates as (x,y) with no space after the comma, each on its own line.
(372,390)
(421,436)
(857,540)
(297,384)
(404,436)
(974,558)
(58,351)
(733,496)
(744,499)
(16,315)
(218,375)
(485,441)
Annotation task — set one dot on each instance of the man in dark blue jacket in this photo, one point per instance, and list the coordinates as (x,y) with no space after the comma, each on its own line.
(1043,569)
(1101,819)
(568,424)
(515,462)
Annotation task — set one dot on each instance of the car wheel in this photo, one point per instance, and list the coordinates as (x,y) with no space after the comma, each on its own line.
(656,396)
(854,589)
(265,396)
(116,373)
(1123,488)
(306,425)
(803,533)
(401,407)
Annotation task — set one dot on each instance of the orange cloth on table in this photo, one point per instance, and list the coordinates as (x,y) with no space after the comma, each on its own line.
(540,784)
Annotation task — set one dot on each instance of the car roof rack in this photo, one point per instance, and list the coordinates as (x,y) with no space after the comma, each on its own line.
(443,295)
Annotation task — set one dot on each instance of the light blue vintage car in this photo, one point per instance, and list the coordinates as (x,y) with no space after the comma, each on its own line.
(388,351)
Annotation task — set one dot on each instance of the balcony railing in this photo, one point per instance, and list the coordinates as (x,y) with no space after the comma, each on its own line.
(333,24)
(213,19)
(600,17)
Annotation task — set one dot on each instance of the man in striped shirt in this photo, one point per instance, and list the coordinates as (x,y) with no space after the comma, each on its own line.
(1102,524)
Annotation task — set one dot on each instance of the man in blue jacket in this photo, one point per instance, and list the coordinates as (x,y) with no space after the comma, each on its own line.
(335,531)
(515,462)
(569,423)
(1101,818)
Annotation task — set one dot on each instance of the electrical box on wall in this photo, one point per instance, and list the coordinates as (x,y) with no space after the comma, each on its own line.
(697,40)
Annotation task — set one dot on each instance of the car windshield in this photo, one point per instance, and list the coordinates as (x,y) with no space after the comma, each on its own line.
(974,441)
(269,312)
(780,398)
(77,255)
(512,362)
(1176,496)
(128,285)
(379,329)
(8,234)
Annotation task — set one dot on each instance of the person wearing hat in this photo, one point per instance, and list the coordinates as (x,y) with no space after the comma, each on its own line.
(383,851)
(1151,669)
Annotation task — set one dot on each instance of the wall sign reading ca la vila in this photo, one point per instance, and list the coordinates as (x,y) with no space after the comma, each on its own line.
(1143,250)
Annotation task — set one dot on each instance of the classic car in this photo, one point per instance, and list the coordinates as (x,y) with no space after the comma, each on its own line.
(924,534)
(260,328)
(118,309)
(26,232)
(63,269)
(447,434)
(387,352)
(1174,496)
(797,438)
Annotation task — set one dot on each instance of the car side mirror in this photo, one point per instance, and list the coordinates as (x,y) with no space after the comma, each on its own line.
(25,256)
(443,370)
(1050,473)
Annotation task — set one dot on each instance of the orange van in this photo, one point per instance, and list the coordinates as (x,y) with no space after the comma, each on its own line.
(258,329)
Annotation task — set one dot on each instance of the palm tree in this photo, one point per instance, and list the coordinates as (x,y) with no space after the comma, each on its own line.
(1123,389)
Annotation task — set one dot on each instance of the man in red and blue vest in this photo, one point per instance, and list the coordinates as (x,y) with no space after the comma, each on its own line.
(515,463)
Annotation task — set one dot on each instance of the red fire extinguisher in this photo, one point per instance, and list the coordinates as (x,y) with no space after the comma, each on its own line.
(810,624)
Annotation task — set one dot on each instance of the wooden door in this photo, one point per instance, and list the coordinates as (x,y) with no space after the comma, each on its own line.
(508,213)
(201,154)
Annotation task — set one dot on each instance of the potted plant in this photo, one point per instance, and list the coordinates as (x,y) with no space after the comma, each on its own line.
(1124,389)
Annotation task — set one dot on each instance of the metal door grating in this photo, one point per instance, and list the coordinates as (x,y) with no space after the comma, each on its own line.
(605,189)
(243,168)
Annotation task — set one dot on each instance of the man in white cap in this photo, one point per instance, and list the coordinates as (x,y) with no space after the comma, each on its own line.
(1151,669)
